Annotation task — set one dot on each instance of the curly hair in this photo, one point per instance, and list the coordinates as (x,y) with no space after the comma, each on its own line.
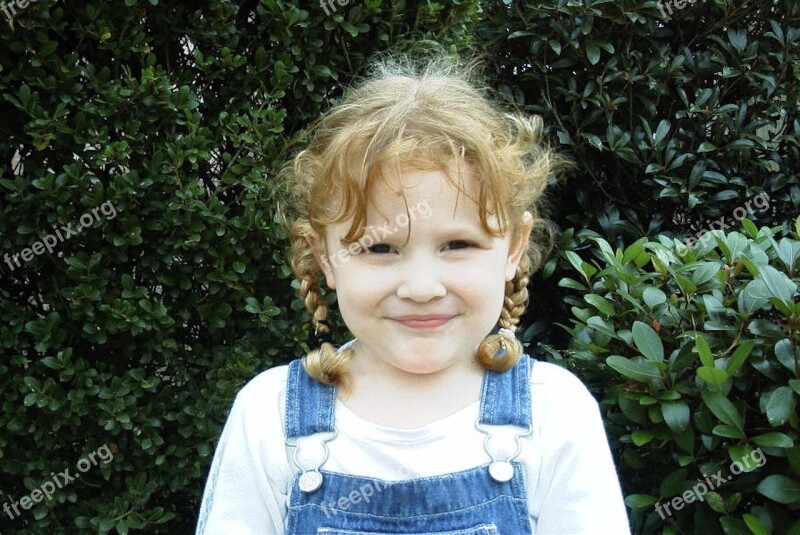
(426,115)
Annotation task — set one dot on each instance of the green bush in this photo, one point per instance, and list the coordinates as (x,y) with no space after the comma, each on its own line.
(136,333)
(677,123)
(696,352)
(672,120)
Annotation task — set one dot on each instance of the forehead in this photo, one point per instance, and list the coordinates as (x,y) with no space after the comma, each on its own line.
(439,190)
(451,189)
(416,201)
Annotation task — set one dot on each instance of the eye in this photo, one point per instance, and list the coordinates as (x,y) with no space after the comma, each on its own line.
(380,248)
(457,244)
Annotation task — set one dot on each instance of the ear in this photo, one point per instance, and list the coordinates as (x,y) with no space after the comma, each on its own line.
(519,245)
(317,245)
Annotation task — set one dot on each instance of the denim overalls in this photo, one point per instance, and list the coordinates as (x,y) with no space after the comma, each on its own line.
(489,499)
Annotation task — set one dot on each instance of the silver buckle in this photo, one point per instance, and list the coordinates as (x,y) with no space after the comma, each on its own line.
(310,478)
(501,470)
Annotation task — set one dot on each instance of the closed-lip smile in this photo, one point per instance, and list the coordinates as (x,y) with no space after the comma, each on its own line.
(423,321)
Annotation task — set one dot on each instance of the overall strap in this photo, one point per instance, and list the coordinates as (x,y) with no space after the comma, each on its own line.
(506,396)
(309,403)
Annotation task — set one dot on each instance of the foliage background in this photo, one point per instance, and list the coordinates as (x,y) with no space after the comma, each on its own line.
(137,332)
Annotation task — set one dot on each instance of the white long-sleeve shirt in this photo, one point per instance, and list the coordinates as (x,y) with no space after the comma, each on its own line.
(572,486)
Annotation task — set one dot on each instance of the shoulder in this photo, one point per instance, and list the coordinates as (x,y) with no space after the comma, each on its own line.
(263,396)
(267,381)
(568,426)
(557,392)
(257,415)
(556,378)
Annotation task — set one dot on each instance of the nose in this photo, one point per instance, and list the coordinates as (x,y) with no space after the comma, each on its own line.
(421,280)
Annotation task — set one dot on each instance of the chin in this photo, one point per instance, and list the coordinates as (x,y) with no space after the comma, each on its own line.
(426,367)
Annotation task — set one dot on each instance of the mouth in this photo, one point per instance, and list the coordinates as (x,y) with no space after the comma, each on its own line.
(423,322)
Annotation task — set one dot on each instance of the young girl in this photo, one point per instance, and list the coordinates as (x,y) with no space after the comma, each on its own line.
(416,202)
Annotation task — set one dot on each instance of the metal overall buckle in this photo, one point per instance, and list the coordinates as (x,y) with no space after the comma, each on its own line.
(501,470)
(311,478)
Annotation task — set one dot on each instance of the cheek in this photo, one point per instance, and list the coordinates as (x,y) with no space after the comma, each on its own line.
(494,296)
(360,300)
(483,285)
(357,287)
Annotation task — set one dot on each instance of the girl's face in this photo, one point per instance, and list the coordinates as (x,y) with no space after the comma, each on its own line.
(425,284)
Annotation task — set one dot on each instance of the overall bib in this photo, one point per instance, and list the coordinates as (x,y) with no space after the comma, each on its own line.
(489,499)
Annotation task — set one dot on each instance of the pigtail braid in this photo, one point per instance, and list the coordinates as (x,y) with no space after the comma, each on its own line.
(323,363)
(500,352)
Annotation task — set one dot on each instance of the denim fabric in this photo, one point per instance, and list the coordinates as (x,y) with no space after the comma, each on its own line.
(309,403)
(461,503)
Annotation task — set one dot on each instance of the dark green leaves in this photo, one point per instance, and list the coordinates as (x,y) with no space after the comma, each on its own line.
(634,369)
(702,360)
(726,412)
(781,405)
(647,341)
(780,488)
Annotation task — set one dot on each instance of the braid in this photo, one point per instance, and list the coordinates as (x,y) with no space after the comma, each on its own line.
(516,298)
(500,352)
(324,363)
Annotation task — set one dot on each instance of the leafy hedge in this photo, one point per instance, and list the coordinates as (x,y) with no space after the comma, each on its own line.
(672,121)
(697,351)
(682,118)
(136,333)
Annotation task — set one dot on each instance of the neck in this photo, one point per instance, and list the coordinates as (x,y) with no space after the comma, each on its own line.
(397,398)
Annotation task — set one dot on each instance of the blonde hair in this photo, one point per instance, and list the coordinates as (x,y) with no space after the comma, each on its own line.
(427,116)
